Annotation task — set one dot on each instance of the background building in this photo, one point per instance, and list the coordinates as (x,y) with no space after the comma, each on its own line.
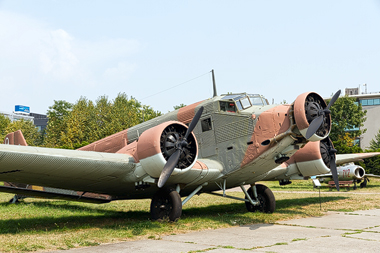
(23,112)
(370,102)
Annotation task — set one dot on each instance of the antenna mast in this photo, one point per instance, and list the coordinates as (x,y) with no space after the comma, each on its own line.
(213,82)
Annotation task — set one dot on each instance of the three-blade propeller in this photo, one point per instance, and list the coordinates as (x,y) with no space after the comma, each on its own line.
(317,122)
(179,145)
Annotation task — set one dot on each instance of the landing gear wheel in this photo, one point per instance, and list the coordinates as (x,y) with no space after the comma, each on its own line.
(266,198)
(166,204)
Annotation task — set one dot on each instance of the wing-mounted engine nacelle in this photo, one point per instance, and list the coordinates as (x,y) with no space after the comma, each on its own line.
(350,172)
(307,107)
(157,144)
(313,159)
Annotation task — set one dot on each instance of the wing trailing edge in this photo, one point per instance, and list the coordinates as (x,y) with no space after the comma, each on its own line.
(56,195)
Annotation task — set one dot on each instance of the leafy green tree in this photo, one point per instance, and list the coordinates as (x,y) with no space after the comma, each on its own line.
(88,121)
(375,143)
(347,118)
(81,125)
(372,164)
(4,122)
(57,124)
(28,129)
(176,107)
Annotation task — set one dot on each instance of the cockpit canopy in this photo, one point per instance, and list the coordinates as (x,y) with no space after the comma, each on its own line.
(241,101)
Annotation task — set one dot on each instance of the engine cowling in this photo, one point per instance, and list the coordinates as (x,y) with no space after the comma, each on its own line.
(350,172)
(157,144)
(307,107)
(313,159)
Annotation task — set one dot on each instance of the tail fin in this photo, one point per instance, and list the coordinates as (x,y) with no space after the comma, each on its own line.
(15,138)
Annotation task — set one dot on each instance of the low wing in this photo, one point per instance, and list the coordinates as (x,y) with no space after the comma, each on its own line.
(372,175)
(346,158)
(67,169)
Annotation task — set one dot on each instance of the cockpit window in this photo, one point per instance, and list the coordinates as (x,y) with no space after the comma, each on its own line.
(227,106)
(257,100)
(245,103)
(241,101)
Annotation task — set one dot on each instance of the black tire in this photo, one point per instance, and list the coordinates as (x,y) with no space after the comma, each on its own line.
(266,198)
(166,204)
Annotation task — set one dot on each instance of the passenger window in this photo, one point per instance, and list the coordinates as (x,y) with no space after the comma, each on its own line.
(206,125)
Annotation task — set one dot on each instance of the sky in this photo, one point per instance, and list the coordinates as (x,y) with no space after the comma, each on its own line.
(162,52)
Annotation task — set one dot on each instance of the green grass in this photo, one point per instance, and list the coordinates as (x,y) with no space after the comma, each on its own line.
(37,224)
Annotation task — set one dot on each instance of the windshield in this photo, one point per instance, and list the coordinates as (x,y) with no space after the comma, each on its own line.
(257,100)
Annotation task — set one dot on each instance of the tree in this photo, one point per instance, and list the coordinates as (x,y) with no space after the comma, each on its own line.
(4,122)
(176,107)
(375,143)
(347,117)
(87,121)
(372,164)
(81,125)
(57,115)
(28,129)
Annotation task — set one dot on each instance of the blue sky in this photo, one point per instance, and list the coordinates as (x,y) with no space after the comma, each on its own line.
(62,50)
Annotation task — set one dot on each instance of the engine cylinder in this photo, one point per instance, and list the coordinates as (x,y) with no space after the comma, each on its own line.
(307,107)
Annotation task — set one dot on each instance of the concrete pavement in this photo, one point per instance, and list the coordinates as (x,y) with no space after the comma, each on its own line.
(336,231)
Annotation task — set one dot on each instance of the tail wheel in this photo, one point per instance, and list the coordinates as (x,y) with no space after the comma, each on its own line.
(166,205)
(266,198)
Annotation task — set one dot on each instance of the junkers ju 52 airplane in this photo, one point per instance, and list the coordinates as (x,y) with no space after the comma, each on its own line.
(223,142)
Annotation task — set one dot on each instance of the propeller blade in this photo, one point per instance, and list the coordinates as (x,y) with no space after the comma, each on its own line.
(332,151)
(314,126)
(333,99)
(194,122)
(334,172)
(174,158)
(168,168)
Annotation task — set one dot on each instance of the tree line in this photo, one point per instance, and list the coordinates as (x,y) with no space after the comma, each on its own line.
(72,126)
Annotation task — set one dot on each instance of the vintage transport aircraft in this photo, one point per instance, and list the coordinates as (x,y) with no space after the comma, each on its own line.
(223,142)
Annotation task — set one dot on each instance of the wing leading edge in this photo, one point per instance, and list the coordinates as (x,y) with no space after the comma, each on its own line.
(67,169)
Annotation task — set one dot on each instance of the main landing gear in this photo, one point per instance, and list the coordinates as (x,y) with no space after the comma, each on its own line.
(267,202)
(167,204)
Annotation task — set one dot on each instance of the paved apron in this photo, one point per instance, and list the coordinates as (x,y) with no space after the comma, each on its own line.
(336,232)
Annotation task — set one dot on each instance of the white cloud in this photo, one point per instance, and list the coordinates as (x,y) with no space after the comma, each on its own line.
(56,56)
(40,64)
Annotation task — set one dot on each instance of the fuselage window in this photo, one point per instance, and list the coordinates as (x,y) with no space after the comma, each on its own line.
(206,125)
(227,106)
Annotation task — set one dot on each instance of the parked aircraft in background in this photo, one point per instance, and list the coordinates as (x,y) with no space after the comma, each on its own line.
(320,150)
(348,172)
(240,139)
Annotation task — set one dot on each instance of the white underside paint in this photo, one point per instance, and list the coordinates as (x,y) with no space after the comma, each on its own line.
(314,137)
